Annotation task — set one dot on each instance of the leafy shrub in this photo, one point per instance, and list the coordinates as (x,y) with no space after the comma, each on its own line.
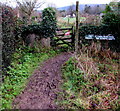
(31,29)
(96,30)
(110,25)
(91,29)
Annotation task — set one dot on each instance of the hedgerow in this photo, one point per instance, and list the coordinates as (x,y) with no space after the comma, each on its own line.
(103,29)
(47,27)
(8,37)
(113,21)
(15,30)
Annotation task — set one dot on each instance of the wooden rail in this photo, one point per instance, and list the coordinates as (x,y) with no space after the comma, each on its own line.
(64,29)
(65,39)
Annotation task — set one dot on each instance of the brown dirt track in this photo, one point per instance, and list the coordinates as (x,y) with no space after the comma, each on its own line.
(43,86)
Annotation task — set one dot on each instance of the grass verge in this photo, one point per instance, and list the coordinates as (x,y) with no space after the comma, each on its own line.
(90,83)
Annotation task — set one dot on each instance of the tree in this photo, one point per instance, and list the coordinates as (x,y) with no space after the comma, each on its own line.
(71,10)
(108,9)
(115,7)
(87,9)
(62,13)
(27,7)
(97,9)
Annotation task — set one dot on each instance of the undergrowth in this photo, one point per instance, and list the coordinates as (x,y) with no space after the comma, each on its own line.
(90,82)
(24,61)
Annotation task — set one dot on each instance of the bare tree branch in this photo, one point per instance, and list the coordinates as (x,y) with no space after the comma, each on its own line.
(27,7)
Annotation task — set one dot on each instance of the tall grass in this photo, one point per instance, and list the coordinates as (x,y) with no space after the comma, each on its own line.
(91,80)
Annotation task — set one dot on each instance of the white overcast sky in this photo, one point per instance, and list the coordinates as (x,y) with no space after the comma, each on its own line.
(62,3)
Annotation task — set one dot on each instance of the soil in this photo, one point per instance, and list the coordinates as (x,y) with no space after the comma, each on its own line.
(43,86)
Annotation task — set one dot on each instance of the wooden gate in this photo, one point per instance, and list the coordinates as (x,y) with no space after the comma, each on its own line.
(64,36)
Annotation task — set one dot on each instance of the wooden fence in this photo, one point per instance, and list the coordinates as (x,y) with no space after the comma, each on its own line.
(64,36)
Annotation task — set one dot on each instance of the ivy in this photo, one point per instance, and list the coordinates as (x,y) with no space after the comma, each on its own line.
(8,37)
(96,30)
(49,22)
(46,28)
(37,29)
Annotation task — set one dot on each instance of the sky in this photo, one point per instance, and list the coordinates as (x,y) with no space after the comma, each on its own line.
(62,3)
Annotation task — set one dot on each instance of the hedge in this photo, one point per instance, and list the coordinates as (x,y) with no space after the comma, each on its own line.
(103,29)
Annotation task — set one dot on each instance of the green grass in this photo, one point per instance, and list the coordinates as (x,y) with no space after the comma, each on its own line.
(68,22)
(71,20)
(73,82)
(23,65)
(66,19)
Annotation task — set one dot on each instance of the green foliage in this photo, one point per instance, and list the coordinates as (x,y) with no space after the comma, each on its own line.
(29,29)
(110,25)
(113,22)
(107,9)
(14,30)
(78,92)
(112,19)
(96,30)
(22,66)
(74,77)
(115,7)
(73,84)
(49,22)
(19,28)
(8,37)
(47,27)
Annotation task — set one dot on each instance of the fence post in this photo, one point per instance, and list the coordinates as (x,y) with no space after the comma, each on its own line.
(77,27)
(73,39)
